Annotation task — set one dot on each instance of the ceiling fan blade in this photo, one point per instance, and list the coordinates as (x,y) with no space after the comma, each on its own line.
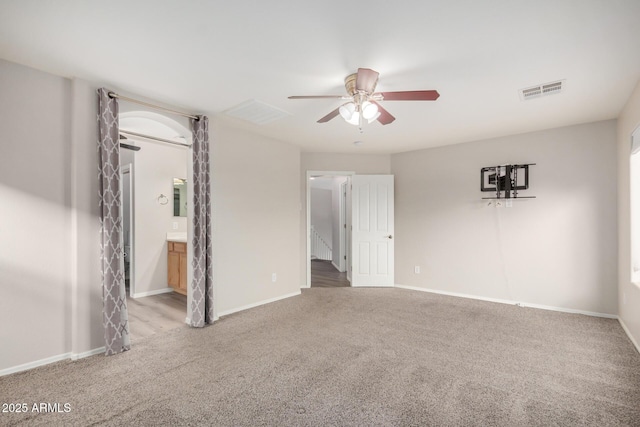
(385,117)
(318,97)
(329,116)
(411,95)
(366,80)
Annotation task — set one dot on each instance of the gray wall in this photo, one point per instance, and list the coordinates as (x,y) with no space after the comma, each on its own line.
(557,250)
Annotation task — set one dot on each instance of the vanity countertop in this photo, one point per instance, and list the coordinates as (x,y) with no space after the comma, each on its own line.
(177,237)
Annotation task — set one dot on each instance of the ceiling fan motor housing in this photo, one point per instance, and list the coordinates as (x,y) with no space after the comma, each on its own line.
(350,83)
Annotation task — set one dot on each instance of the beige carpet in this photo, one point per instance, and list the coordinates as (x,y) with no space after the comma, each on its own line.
(346,357)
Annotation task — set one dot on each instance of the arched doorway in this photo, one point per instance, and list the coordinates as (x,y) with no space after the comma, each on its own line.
(154,224)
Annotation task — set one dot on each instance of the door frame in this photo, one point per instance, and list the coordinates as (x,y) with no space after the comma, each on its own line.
(342,264)
(182,128)
(128,169)
(313,173)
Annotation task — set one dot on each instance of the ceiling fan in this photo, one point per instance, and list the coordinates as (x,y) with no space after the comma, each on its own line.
(363,102)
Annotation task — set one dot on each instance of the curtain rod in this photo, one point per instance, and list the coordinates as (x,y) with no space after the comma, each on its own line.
(146,104)
(128,132)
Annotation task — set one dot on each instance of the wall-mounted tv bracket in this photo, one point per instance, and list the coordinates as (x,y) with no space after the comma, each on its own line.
(505,181)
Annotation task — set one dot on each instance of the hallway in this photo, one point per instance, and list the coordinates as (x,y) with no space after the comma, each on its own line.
(325,275)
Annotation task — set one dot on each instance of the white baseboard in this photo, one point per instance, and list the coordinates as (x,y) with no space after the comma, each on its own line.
(150,293)
(257,304)
(510,302)
(35,364)
(99,350)
(626,330)
(49,360)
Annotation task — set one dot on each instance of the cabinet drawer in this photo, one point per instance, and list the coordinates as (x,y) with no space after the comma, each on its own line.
(179,247)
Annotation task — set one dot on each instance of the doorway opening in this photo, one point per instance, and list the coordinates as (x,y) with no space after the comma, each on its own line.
(328,229)
(369,228)
(154,218)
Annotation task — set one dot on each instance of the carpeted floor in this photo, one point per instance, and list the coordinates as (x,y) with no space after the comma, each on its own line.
(346,357)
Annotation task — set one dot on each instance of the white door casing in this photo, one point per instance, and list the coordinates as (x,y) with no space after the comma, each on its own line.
(373,230)
(126,191)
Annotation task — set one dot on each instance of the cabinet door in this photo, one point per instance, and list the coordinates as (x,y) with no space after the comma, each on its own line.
(183,272)
(173,275)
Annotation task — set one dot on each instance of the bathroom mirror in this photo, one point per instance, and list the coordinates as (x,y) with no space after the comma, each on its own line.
(179,197)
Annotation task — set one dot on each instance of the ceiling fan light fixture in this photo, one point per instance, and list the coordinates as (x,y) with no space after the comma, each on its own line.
(347,110)
(374,118)
(355,119)
(369,110)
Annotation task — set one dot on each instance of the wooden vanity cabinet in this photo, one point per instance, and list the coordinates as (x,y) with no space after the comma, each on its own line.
(177,266)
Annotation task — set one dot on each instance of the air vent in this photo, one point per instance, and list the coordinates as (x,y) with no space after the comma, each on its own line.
(256,112)
(541,90)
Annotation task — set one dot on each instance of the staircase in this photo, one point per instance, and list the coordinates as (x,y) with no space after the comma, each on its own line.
(319,248)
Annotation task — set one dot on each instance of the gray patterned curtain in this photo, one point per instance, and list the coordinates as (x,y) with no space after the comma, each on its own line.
(202,285)
(115,317)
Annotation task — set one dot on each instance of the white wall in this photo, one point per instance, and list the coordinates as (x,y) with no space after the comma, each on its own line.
(35,271)
(557,250)
(49,277)
(628,292)
(86,301)
(359,163)
(256,214)
(155,166)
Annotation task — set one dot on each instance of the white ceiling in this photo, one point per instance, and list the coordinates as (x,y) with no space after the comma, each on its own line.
(209,56)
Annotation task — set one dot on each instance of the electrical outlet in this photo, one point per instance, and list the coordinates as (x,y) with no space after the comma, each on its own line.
(274,277)
(175,225)
(416,269)
(509,203)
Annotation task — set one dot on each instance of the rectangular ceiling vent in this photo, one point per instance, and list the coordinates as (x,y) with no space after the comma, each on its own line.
(541,90)
(256,112)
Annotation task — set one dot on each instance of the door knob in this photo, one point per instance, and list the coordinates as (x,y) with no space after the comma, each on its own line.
(389,236)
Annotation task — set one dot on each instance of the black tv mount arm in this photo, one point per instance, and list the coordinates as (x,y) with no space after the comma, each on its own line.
(504,179)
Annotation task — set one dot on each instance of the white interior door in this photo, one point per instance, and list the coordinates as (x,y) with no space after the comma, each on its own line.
(373,229)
